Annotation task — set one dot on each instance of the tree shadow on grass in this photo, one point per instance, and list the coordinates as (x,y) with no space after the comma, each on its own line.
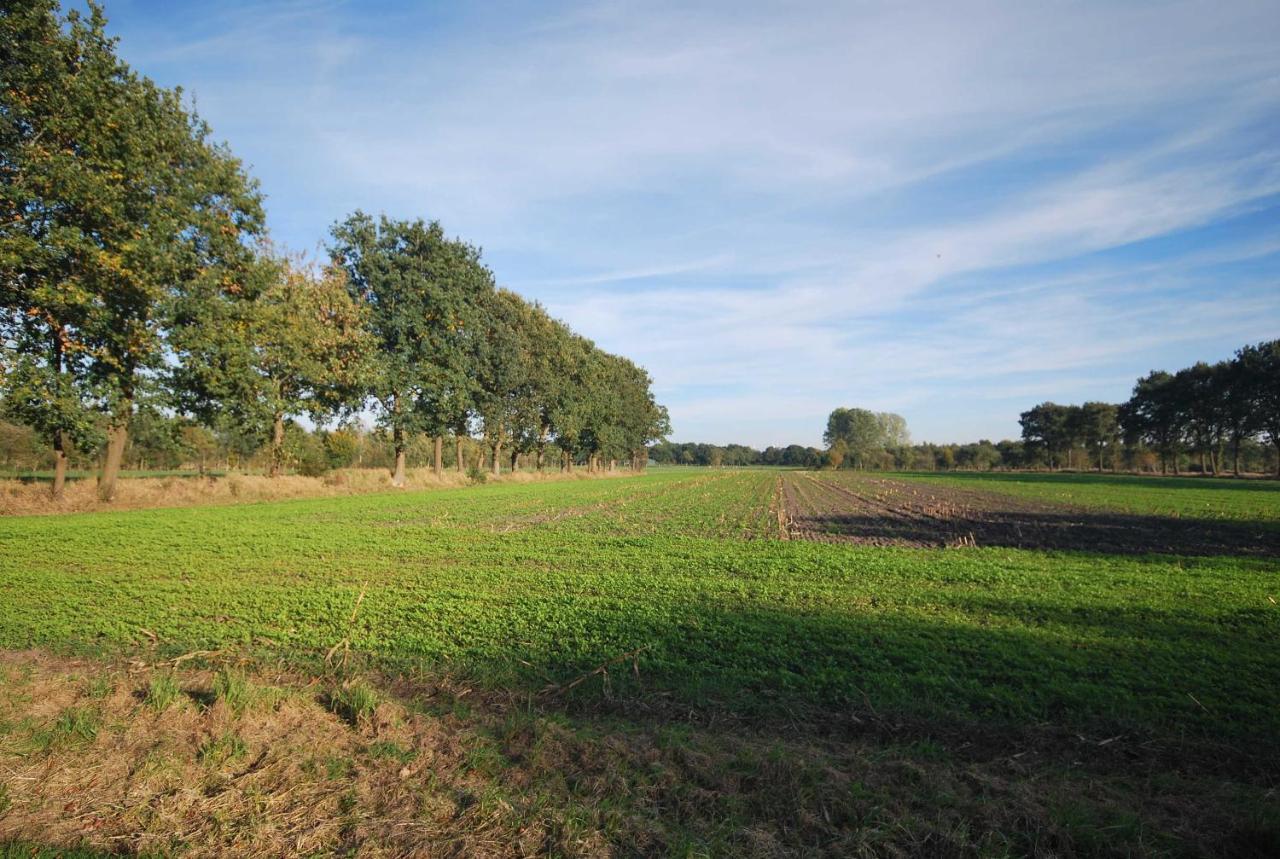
(1139,674)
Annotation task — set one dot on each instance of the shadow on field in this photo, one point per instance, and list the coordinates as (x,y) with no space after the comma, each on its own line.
(1174,712)
(1003,667)
(1074,530)
(445,769)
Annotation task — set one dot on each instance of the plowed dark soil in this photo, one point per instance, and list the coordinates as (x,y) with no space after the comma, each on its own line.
(877,511)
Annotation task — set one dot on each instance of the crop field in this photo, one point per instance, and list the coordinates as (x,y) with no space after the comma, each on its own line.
(688,662)
(1038,514)
(1177,497)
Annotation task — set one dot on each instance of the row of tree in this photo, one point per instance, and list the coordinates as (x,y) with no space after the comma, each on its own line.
(134,274)
(165,443)
(1201,413)
(1198,413)
(984,455)
(697,453)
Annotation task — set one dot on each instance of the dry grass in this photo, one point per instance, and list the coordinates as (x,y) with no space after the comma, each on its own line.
(18,498)
(245,763)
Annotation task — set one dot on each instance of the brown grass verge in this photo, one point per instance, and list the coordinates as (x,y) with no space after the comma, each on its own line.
(219,761)
(18,498)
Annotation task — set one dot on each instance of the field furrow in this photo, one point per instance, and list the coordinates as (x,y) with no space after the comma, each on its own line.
(872,510)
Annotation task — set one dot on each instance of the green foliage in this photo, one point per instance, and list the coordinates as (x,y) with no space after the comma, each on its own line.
(423,293)
(162,691)
(223,749)
(387,749)
(307,451)
(233,688)
(341,448)
(130,286)
(295,344)
(354,702)
(116,209)
(1204,407)
(864,434)
(74,726)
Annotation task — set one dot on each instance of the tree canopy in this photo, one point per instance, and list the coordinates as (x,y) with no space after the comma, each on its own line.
(135,284)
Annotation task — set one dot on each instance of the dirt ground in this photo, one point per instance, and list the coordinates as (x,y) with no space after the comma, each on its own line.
(879,511)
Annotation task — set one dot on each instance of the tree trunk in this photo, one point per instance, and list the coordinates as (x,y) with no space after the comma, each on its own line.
(497,458)
(538,459)
(1235,455)
(568,462)
(59,466)
(59,448)
(613,463)
(277,446)
(117,437)
(439,461)
(457,455)
(515,461)
(397,476)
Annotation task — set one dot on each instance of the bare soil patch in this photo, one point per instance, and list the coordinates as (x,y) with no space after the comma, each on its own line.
(879,511)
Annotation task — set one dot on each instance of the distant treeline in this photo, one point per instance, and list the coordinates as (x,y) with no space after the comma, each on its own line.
(1191,420)
(140,303)
(982,455)
(694,453)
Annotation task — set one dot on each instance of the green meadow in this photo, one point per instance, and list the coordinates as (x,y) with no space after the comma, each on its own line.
(638,606)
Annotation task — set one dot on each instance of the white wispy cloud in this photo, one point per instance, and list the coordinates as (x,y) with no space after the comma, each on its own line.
(779,208)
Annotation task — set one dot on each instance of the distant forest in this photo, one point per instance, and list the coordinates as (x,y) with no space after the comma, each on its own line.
(1204,419)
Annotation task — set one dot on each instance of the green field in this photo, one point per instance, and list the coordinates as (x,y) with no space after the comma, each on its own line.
(565,576)
(682,577)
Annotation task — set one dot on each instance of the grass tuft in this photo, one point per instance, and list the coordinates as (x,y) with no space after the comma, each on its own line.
(354,702)
(233,688)
(162,691)
(75,726)
(217,751)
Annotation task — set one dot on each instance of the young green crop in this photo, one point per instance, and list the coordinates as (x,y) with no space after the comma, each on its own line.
(517,585)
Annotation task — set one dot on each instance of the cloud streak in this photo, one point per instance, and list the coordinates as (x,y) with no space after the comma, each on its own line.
(949,210)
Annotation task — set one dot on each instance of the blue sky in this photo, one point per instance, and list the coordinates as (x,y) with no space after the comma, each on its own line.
(952,211)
